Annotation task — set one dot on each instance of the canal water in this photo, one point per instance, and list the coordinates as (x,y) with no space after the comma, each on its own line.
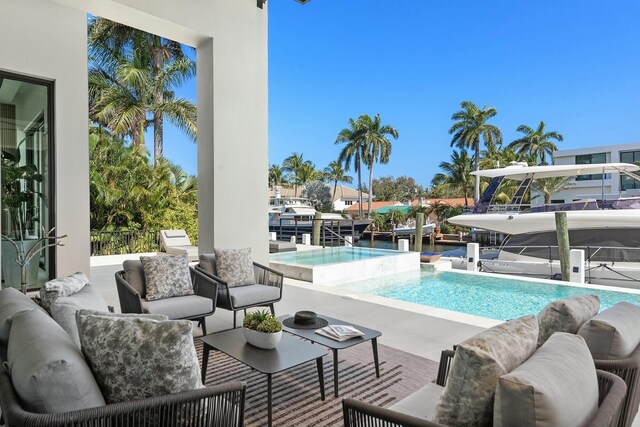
(451,250)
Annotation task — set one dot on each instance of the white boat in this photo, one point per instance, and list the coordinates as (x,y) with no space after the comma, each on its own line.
(405,230)
(607,230)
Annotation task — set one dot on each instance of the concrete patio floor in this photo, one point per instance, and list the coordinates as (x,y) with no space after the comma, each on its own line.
(410,331)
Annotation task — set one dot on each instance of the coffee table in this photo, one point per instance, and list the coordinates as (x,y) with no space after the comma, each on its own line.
(310,334)
(289,353)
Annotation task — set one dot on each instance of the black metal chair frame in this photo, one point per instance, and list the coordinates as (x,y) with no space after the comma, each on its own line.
(203,285)
(221,405)
(264,276)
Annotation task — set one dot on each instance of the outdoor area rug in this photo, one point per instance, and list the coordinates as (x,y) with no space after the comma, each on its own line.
(296,392)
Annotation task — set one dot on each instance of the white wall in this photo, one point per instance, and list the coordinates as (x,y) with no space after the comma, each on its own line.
(47,38)
(44,39)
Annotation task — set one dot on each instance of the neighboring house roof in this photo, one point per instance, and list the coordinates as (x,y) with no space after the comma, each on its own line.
(376,205)
(343,192)
(386,209)
(287,191)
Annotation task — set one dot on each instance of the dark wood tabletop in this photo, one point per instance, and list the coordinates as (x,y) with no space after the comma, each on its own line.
(311,335)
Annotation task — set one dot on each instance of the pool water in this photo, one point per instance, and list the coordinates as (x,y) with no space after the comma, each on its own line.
(329,255)
(491,297)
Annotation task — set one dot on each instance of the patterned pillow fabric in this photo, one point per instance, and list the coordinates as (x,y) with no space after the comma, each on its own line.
(138,356)
(566,315)
(166,276)
(61,287)
(235,266)
(467,399)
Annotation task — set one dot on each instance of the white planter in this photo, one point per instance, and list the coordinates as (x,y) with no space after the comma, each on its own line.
(262,339)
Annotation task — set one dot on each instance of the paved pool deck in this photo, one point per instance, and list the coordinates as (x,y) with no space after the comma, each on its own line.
(422,331)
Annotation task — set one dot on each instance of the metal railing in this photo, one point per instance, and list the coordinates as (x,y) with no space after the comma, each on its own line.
(331,230)
(124,242)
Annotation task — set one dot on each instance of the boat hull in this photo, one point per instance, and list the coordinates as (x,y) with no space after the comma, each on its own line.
(518,223)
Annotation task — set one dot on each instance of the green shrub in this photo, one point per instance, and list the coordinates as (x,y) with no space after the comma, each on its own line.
(262,321)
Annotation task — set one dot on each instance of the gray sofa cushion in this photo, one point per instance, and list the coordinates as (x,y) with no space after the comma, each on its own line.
(235,266)
(179,307)
(557,386)
(154,357)
(208,263)
(134,275)
(61,287)
(420,404)
(614,333)
(47,369)
(478,364)
(63,309)
(566,315)
(242,296)
(12,302)
(166,276)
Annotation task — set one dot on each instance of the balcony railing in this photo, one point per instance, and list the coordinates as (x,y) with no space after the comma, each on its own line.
(124,242)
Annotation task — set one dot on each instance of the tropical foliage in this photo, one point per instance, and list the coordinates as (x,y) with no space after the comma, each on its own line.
(129,193)
(548,186)
(335,173)
(455,176)
(351,153)
(318,194)
(132,79)
(537,144)
(471,129)
(400,188)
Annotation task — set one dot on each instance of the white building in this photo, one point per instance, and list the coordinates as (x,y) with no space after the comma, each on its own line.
(344,197)
(590,186)
(45,44)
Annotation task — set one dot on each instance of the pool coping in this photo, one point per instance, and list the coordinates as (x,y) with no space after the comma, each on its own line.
(455,316)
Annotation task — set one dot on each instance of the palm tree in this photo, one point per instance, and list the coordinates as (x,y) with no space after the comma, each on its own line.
(307,172)
(167,66)
(276,175)
(377,147)
(456,174)
(352,153)
(548,186)
(292,164)
(334,172)
(470,128)
(536,143)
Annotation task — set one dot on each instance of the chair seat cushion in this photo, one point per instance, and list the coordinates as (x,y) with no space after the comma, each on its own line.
(242,296)
(557,386)
(63,310)
(566,315)
(614,333)
(166,276)
(47,369)
(12,302)
(422,403)
(179,307)
(476,368)
(136,357)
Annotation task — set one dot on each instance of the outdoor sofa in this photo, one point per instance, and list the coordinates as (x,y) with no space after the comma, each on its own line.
(504,376)
(61,377)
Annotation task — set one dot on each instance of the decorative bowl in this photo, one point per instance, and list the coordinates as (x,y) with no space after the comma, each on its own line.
(262,339)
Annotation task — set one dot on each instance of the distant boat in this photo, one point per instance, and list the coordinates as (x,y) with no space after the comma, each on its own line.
(406,230)
(296,219)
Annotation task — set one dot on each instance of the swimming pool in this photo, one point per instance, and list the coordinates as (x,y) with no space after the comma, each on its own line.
(344,264)
(485,296)
(330,255)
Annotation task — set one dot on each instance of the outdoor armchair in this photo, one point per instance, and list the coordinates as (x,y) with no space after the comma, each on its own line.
(132,291)
(266,291)
(221,405)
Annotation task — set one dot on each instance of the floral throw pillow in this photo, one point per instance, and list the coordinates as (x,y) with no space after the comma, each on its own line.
(235,266)
(166,276)
(136,356)
(61,287)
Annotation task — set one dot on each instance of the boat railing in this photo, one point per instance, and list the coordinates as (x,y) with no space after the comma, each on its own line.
(508,208)
(591,252)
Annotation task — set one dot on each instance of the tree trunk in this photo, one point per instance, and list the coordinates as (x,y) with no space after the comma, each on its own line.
(370,192)
(476,189)
(158,97)
(335,188)
(359,190)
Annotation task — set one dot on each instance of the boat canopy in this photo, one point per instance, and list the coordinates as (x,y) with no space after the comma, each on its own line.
(520,172)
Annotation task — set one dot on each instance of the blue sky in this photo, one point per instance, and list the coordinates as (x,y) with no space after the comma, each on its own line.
(573,64)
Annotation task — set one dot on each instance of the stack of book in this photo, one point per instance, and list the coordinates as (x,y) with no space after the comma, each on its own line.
(339,332)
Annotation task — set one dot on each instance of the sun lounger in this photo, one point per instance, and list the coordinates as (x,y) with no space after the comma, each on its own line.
(276,246)
(177,242)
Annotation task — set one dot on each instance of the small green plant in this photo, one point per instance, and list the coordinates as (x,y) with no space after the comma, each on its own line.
(262,321)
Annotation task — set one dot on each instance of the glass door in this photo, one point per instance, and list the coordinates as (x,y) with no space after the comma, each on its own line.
(26,143)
